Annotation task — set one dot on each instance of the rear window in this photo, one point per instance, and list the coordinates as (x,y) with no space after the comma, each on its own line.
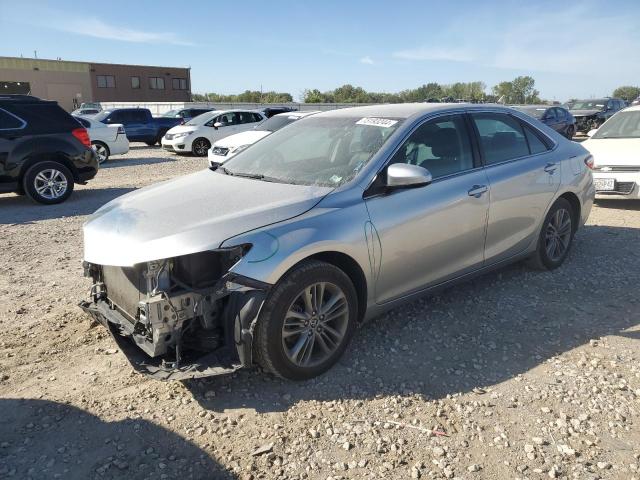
(44,117)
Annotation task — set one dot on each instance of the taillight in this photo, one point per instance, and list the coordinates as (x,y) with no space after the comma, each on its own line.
(589,162)
(120,130)
(82,135)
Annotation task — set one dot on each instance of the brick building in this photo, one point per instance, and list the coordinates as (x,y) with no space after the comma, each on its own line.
(71,83)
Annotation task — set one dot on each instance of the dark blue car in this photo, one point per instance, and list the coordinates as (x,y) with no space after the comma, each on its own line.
(554,116)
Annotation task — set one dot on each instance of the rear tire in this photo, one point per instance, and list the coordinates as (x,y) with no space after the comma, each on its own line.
(152,144)
(48,182)
(306,322)
(102,151)
(556,237)
(200,146)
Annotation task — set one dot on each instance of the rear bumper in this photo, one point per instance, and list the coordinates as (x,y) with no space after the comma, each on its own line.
(86,174)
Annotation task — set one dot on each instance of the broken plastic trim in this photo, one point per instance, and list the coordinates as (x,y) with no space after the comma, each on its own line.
(246,297)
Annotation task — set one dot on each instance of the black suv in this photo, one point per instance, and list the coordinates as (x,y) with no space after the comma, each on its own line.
(43,149)
(590,114)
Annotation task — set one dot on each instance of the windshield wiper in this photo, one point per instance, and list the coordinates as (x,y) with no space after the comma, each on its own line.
(256,176)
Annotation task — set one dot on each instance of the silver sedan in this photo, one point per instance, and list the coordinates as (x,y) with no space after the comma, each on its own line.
(278,255)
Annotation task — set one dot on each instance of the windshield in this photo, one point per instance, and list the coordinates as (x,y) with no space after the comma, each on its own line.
(536,112)
(170,113)
(276,123)
(202,119)
(589,105)
(621,125)
(325,151)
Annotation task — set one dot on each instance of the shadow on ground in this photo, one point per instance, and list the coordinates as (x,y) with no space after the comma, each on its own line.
(619,204)
(42,439)
(116,162)
(17,209)
(476,334)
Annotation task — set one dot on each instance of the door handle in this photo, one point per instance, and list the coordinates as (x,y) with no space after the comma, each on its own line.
(477,190)
(550,168)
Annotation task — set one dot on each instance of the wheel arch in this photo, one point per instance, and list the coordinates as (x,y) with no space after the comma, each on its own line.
(352,269)
(53,157)
(576,206)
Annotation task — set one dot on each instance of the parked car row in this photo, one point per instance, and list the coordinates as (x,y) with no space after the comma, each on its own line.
(224,149)
(558,118)
(198,134)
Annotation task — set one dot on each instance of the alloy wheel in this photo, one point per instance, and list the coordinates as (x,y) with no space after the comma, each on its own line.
(200,147)
(558,234)
(315,324)
(101,151)
(50,183)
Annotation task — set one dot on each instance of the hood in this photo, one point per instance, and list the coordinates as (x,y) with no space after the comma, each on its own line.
(190,214)
(584,113)
(243,138)
(614,151)
(181,128)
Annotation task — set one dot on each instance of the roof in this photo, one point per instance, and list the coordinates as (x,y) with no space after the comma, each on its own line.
(54,64)
(297,113)
(534,106)
(15,98)
(404,110)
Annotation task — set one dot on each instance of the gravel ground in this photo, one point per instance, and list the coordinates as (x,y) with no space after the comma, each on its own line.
(516,375)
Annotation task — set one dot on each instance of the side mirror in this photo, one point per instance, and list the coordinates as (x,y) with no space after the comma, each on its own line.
(217,125)
(401,175)
(592,132)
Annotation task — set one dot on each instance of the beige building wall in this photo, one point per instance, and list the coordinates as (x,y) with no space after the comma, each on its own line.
(50,79)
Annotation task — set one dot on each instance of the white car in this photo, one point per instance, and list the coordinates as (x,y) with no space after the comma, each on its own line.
(106,139)
(224,149)
(615,147)
(199,133)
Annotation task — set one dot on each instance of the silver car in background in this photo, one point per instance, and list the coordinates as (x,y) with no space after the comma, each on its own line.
(276,256)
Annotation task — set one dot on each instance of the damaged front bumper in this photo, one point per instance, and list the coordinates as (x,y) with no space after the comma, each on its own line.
(173,325)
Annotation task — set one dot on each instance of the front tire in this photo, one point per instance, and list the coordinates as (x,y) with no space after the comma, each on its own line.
(306,322)
(200,146)
(102,151)
(48,183)
(555,237)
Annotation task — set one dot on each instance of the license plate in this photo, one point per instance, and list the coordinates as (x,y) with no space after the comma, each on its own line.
(602,184)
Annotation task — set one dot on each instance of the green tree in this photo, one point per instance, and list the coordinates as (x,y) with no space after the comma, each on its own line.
(627,93)
(519,90)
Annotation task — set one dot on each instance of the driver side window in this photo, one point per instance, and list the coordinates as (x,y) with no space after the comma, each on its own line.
(442,146)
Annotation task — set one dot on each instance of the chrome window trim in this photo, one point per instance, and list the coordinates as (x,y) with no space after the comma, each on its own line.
(21,127)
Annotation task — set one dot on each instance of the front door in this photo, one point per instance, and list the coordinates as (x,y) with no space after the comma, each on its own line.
(436,232)
(524,178)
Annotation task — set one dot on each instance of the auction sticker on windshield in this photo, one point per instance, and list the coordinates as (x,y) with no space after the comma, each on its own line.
(377,122)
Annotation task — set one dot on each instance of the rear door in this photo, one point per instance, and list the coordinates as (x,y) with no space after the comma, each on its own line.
(523,177)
